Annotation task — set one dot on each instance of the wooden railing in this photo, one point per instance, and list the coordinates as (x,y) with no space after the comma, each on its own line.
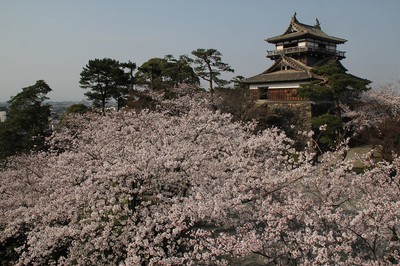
(292,50)
(283,95)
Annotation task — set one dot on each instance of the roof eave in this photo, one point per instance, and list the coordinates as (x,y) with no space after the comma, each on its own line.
(281,38)
(263,78)
(275,81)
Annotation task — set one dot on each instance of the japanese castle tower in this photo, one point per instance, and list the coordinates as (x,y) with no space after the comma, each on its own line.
(298,50)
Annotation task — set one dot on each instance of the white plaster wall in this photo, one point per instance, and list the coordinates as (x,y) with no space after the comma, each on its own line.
(302,44)
(3,116)
(280,85)
(331,47)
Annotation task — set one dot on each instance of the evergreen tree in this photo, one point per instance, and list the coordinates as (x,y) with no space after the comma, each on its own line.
(27,120)
(162,73)
(151,73)
(210,66)
(334,82)
(106,79)
(179,70)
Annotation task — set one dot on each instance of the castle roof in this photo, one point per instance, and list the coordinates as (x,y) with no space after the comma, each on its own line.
(289,69)
(279,76)
(298,30)
(284,69)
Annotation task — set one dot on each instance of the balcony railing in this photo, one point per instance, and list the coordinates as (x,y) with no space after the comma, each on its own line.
(285,95)
(292,50)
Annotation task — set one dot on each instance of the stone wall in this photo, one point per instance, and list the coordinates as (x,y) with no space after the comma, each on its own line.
(301,113)
(291,117)
(297,114)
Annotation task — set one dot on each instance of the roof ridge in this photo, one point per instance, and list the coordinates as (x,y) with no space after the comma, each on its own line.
(298,26)
(296,29)
(297,65)
(277,62)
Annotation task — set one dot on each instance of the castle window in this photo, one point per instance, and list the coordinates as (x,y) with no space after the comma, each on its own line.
(285,68)
(263,92)
(289,45)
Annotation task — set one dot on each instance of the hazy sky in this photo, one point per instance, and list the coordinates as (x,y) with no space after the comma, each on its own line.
(54,39)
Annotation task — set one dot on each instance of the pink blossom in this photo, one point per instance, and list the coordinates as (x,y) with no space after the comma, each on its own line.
(184,185)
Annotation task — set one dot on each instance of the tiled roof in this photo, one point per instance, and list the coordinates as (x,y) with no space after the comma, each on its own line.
(298,71)
(279,76)
(288,61)
(297,30)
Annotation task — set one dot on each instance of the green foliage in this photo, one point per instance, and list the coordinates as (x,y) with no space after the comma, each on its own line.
(131,67)
(180,71)
(209,67)
(237,82)
(334,82)
(106,79)
(78,108)
(27,120)
(162,73)
(329,137)
(151,73)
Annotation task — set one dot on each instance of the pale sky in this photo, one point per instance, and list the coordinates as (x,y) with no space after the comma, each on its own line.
(54,39)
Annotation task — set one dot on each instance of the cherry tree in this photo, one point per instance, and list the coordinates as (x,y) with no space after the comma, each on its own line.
(374,106)
(184,185)
(376,119)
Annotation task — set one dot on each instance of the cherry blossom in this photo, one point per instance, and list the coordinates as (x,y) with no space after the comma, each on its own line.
(185,185)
